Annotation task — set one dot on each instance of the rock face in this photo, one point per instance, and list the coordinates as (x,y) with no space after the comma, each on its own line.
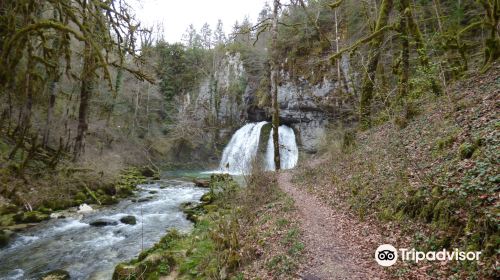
(227,98)
(220,96)
(302,106)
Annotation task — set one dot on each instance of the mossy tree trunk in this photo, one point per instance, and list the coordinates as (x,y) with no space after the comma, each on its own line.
(405,52)
(420,45)
(86,88)
(492,44)
(274,84)
(373,58)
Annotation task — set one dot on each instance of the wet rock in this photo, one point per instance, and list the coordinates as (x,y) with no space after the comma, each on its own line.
(147,171)
(193,211)
(201,183)
(153,192)
(129,220)
(84,208)
(103,222)
(31,217)
(5,237)
(144,199)
(57,274)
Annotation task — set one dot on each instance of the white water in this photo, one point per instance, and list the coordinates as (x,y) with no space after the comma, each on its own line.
(289,153)
(241,150)
(91,253)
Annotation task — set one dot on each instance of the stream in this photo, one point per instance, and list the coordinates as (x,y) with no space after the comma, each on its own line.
(89,252)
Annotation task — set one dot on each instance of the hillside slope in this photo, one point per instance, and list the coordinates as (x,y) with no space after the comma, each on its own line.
(430,185)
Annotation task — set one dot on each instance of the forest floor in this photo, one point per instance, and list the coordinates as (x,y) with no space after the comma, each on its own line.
(430,184)
(337,245)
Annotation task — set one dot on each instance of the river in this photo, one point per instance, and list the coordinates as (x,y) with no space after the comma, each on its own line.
(89,252)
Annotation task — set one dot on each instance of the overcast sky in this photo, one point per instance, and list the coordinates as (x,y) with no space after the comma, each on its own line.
(176,15)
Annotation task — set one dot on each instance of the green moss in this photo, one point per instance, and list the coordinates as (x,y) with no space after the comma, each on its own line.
(443,213)
(6,220)
(466,150)
(211,246)
(445,142)
(4,238)
(80,196)
(108,200)
(30,217)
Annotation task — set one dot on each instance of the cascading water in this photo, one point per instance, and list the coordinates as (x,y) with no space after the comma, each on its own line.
(242,149)
(289,153)
(238,155)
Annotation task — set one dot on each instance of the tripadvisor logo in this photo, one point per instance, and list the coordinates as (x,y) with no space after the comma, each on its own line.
(387,255)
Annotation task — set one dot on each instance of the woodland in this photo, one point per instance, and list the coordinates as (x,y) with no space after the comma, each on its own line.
(93,102)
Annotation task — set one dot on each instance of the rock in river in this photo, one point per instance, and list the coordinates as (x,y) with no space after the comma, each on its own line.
(129,220)
(103,222)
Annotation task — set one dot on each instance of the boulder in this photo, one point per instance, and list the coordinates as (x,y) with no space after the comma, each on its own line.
(84,208)
(103,222)
(144,199)
(129,220)
(147,171)
(57,274)
(201,183)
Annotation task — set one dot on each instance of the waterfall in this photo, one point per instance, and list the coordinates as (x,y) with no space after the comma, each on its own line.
(289,153)
(238,155)
(241,150)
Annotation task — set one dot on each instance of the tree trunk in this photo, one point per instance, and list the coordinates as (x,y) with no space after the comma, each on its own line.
(405,52)
(87,85)
(421,48)
(373,58)
(274,85)
(50,111)
(492,48)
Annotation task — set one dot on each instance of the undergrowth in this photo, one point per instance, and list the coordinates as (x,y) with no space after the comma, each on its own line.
(227,238)
(434,178)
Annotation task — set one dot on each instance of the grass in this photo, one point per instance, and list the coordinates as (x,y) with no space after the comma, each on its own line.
(226,241)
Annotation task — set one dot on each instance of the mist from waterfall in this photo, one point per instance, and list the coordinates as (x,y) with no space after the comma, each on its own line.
(289,153)
(242,149)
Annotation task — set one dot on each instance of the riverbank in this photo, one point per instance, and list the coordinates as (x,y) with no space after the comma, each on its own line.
(89,244)
(238,232)
(24,207)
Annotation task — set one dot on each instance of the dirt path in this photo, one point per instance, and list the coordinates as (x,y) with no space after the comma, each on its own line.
(337,246)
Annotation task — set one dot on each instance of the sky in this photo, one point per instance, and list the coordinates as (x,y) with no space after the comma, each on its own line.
(177,15)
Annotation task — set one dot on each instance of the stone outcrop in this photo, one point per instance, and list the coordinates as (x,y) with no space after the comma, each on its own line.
(228,97)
